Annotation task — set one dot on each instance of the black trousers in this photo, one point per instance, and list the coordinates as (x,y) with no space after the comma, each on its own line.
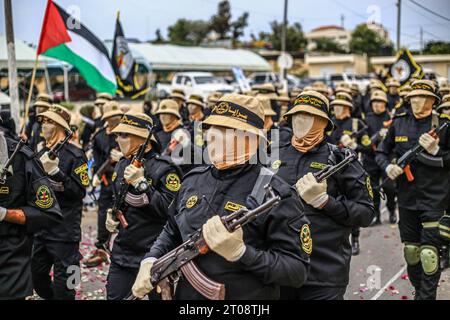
(376,176)
(64,257)
(120,281)
(309,292)
(105,202)
(411,230)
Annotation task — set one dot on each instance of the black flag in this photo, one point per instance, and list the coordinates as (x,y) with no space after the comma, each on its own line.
(405,68)
(125,67)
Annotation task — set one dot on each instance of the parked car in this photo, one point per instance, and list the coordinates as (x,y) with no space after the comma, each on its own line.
(79,91)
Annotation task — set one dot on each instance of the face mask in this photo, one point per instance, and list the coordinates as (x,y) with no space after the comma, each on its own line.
(302,124)
(124,145)
(192,108)
(378,107)
(166,119)
(268,123)
(421,106)
(48,130)
(338,110)
(228,148)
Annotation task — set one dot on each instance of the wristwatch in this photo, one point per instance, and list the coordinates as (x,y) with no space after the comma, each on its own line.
(142,186)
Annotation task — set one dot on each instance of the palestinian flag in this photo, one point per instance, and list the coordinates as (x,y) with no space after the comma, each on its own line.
(405,68)
(64,38)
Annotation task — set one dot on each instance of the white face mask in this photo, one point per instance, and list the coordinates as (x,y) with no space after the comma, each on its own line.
(302,124)
(338,110)
(124,145)
(417,103)
(48,130)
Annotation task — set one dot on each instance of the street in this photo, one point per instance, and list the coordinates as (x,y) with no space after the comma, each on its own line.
(380,247)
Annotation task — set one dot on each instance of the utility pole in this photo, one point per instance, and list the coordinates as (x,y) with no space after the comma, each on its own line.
(342,20)
(283,39)
(399,9)
(421,40)
(12,67)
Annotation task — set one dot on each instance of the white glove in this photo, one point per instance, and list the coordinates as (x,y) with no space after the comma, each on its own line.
(134,175)
(115,155)
(394,171)
(89,154)
(383,132)
(226,244)
(50,166)
(348,142)
(111,224)
(142,285)
(3,212)
(312,192)
(96,181)
(430,144)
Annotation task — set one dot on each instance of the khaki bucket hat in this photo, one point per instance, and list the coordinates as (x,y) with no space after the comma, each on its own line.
(196,99)
(111,109)
(379,95)
(177,94)
(214,97)
(312,102)
(343,99)
(135,123)
(58,114)
(44,97)
(392,83)
(405,90)
(266,90)
(103,98)
(268,111)
(423,88)
(168,106)
(445,102)
(444,88)
(237,111)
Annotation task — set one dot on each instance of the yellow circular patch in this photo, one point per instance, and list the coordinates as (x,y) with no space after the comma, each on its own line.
(192,201)
(44,198)
(305,238)
(173,182)
(366,141)
(276,164)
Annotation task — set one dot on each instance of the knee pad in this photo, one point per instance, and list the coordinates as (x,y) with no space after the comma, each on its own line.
(429,257)
(411,252)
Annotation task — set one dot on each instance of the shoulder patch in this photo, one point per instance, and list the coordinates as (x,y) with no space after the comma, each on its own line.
(444,116)
(44,197)
(82,172)
(369,187)
(366,140)
(173,182)
(305,239)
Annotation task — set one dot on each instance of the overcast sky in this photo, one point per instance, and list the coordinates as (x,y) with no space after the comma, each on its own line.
(141,18)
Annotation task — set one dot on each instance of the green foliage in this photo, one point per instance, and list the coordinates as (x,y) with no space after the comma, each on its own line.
(221,21)
(437,47)
(365,41)
(295,39)
(188,32)
(328,45)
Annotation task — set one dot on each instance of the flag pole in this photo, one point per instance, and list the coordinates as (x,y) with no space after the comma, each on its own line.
(30,93)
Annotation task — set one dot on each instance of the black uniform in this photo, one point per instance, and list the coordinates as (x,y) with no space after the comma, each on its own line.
(27,189)
(164,137)
(357,106)
(35,139)
(421,202)
(393,100)
(102,146)
(146,214)
(274,254)
(369,142)
(350,204)
(59,245)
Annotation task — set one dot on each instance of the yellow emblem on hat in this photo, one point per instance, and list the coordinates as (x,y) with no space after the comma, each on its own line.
(192,201)
(173,182)
(44,198)
(305,239)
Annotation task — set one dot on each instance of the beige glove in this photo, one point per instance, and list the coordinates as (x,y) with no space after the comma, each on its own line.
(312,192)
(383,132)
(111,224)
(96,181)
(228,245)
(50,166)
(394,171)
(133,175)
(348,142)
(430,144)
(89,154)
(115,155)
(142,285)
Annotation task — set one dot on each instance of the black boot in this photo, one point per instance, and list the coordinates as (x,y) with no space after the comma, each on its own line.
(355,246)
(392,216)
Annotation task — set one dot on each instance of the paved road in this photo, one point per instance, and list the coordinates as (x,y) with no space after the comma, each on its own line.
(380,249)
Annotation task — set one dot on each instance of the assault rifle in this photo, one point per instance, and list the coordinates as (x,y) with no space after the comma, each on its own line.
(4,170)
(53,153)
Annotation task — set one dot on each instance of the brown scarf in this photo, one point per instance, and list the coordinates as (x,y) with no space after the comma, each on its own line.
(172,126)
(198,116)
(425,112)
(313,137)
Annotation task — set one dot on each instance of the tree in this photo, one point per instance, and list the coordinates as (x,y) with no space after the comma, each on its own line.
(238,26)
(366,41)
(437,47)
(295,39)
(188,32)
(159,38)
(221,22)
(328,45)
